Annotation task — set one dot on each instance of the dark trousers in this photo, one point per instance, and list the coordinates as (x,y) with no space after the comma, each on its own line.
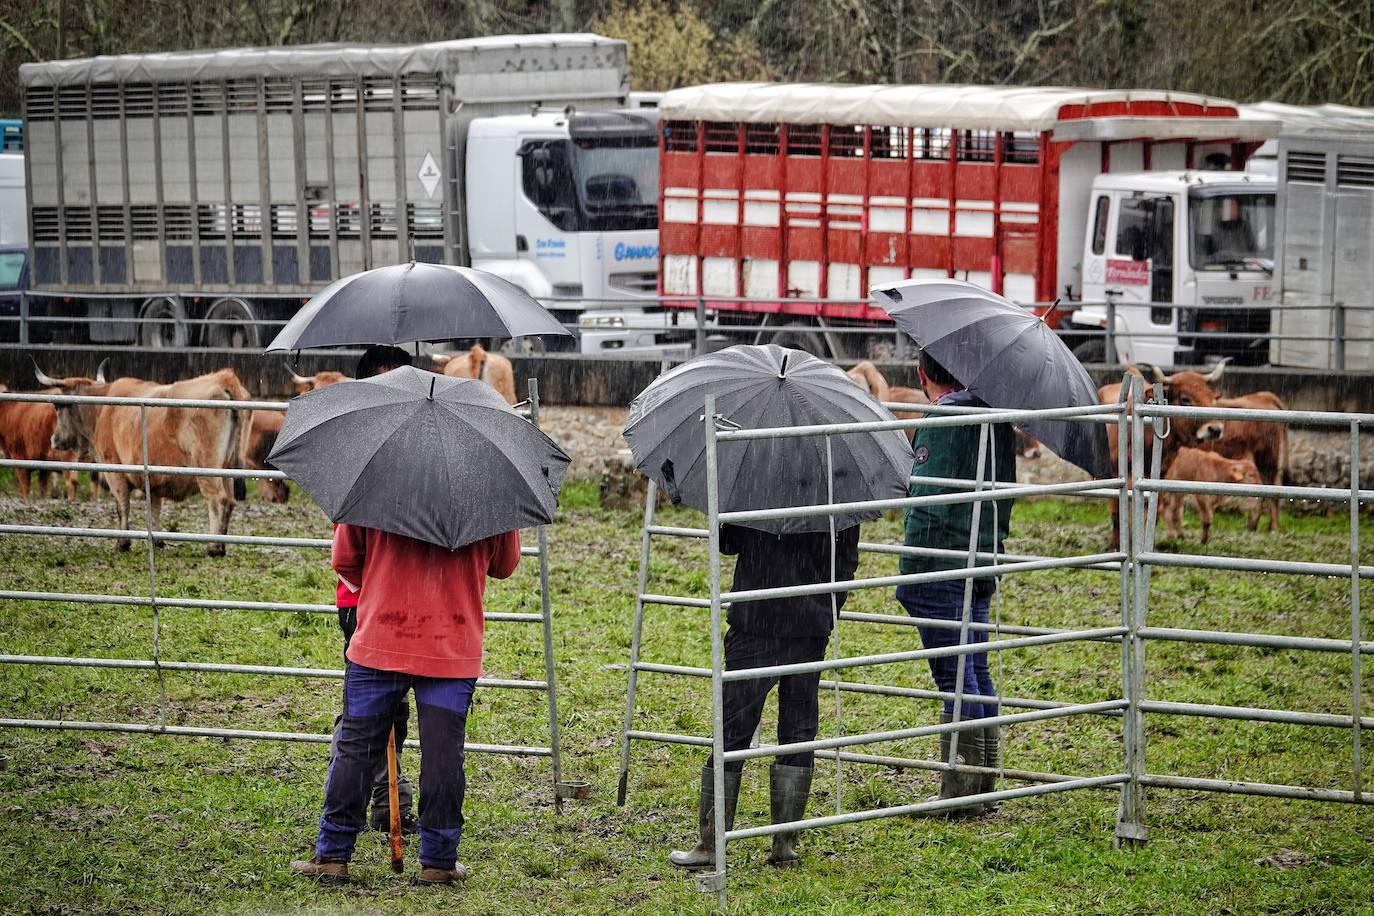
(798,712)
(945,601)
(348,622)
(370,700)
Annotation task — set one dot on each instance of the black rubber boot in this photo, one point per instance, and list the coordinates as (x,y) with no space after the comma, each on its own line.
(992,741)
(380,818)
(703,854)
(954,784)
(789,788)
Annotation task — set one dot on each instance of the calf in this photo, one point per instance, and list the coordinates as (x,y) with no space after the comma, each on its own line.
(262,435)
(1200,465)
(1187,388)
(1266,444)
(477,363)
(176,437)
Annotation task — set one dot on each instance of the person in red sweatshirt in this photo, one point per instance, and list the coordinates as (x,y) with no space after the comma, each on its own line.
(420,628)
(374,361)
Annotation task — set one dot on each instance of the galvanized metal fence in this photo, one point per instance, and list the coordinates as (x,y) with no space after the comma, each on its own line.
(1134,419)
(156,601)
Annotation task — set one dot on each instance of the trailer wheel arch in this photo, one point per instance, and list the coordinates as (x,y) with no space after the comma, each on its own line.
(158,309)
(231,336)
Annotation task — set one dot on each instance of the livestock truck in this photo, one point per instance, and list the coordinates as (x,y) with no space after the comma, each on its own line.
(782,205)
(180,199)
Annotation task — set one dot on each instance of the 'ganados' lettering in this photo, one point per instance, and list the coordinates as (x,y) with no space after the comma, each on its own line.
(625,252)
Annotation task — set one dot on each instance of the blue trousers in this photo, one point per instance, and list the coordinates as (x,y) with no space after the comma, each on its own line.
(945,601)
(370,699)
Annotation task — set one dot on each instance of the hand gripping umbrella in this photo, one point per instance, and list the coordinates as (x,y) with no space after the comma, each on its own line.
(414,302)
(759,387)
(1004,355)
(440,459)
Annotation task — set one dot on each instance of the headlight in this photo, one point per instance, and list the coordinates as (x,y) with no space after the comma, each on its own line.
(601,321)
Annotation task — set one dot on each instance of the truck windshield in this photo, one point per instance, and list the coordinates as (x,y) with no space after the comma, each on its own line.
(617,181)
(1231,230)
(11,266)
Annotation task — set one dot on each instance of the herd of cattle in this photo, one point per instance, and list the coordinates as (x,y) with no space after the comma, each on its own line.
(1236,451)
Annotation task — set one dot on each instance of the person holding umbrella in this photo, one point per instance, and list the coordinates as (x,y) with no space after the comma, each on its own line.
(770,386)
(430,480)
(978,349)
(952,452)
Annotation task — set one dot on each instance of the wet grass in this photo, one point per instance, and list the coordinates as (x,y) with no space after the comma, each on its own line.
(100,822)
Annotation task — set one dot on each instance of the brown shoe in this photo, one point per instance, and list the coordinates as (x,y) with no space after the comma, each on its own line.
(323,872)
(455,875)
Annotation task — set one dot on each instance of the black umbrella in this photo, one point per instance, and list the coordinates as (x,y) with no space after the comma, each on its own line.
(413,302)
(445,460)
(1004,355)
(759,387)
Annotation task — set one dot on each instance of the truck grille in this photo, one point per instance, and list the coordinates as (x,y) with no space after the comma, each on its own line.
(639,283)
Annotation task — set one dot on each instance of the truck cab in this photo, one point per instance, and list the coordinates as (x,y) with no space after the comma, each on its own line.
(1199,240)
(580,230)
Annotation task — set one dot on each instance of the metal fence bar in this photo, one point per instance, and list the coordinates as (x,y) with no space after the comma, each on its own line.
(1291,417)
(249,734)
(1269,790)
(716,880)
(137,664)
(29,398)
(215,604)
(636,634)
(1242,564)
(1256,640)
(1254,714)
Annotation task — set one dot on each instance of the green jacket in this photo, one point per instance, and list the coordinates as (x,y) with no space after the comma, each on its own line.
(952,452)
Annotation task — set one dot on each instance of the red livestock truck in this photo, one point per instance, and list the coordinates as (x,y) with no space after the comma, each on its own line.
(783,204)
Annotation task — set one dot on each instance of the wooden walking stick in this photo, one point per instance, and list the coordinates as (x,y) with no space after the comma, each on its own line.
(398,854)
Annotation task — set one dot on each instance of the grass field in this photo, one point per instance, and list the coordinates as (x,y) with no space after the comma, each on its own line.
(99,822)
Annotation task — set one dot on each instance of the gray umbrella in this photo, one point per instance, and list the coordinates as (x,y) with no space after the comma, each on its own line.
(1004,355)
(413,302)
(760,387)
(445,460)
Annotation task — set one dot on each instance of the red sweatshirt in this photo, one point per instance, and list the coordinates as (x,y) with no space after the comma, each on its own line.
(343,595)
(420,606)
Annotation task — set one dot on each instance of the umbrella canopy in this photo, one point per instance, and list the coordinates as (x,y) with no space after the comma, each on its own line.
(762,387)
(413,302)
(1004,355)
(441,459)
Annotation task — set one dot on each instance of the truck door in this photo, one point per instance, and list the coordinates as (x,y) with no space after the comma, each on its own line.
(1141,270)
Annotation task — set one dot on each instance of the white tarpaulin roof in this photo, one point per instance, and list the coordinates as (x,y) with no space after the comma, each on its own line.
(1026,108)
(1299,120)
(323,60)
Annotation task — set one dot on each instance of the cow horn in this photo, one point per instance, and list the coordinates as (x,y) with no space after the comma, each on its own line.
(301,379)
(1214,376)
(44,379)
(1159,375)
(439,359)
(100,371)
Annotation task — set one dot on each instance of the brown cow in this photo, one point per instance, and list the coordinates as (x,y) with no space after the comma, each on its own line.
(477,363)
(306,383)
(867,376)
(1187,388)
(26,430)
(1197,464)
(177,436)
(262,435)
(1266,444)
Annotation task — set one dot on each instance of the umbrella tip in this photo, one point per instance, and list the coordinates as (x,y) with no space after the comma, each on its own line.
(1049,311)
(782,370)
(431,386)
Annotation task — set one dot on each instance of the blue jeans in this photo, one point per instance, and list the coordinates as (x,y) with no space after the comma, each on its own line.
(370,699)
(945,601)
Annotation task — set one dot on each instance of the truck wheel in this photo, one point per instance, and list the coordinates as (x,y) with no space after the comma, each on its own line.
(152,332)
(800,337)
(239,334)
(1093,350)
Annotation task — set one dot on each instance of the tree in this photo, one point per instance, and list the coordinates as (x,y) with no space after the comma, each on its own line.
(672,46)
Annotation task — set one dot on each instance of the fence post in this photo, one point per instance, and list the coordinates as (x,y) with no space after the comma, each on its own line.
(701,326)
(636,630)
(1109,346)
(1355,654)
(1130,821)
(1338,334)
(550,678)
(24,318)
(714,881)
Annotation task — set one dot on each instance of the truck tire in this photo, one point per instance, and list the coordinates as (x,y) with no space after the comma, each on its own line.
(155,334)
(1093,350)
(231,336)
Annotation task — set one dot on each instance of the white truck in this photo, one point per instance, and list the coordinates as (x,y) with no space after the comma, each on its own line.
(1179,252)
(222,188)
